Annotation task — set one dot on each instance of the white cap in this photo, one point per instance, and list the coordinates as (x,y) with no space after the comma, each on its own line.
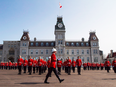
(59,59)
(49,57)
(53,50)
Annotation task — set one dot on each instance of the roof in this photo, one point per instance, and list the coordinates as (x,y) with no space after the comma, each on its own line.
(113,55)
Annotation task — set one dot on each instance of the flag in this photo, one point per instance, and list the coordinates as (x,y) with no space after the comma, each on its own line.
(60,5)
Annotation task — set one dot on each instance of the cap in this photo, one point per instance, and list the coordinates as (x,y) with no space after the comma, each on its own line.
(53,50)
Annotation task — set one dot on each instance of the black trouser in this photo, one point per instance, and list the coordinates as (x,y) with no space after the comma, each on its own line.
(108,68)
(19,67)
(40,70)
(65,69)
(24,69)
(2,67)
(59,69)
(6,67)
(98,68)
(79,69)
(73,68)
(33,69)
(69,70)
(62,67)
(88,67)
(30,69)
(101,68)
(114,69)
(15,67)
(105,68)
(9,67)
(84,68)
(36,68)
(49,73)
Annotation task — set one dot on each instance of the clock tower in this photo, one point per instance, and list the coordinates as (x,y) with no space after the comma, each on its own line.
(24,44)
(60,38)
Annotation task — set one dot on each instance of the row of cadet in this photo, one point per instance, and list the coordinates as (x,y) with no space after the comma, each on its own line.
(39,63)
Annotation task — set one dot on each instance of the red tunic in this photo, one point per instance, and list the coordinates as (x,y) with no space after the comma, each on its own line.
(25,63)
(15,64)
(53,61)
(59,63)
(73,63)
(30,62)
(85,64)
(40,62)
(114,63)
(34,63)
(69,62)
(101,64)
(78,62)
(107,63)
(6,64)
(9,64)
(88,64)
(20,62)
(98,65)
(48,63)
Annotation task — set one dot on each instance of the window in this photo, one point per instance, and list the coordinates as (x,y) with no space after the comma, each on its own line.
(95,59)
(87,44)
(95,44)
(61,41)
(72,44)
(82,51)
(25,44)
(8,46)
(67,51)
(72,51)
(87,51)
(36,51)
(41,51)
(37,44)
(77,44)
(87,59)
(95,51)
(31,51)
(52,44)
(11,45)
(82,44)
(47,44)
(11,52)
(67,44)
(46,51)
(61,51)
(36,58)
(82,59)
(31,44)
(15,45)
(0,52)
(42,44)
(77,51)
(58,41)
(23,51)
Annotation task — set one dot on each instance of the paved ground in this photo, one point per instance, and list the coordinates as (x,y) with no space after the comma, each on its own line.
(10,78)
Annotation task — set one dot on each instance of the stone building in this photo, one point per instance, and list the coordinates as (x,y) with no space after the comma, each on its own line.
(88,50)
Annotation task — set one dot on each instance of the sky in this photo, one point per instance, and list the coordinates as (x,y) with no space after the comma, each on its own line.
(79,16)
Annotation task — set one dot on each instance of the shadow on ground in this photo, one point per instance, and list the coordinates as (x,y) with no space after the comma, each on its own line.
(109,79)
(31,83)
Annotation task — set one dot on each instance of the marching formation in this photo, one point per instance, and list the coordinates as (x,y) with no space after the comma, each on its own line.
(41,66)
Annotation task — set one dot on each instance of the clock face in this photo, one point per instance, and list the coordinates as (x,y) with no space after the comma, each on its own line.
(94,38)
(24,37)
(60,25)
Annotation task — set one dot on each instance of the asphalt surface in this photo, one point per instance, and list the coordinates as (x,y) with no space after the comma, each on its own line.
(91,78)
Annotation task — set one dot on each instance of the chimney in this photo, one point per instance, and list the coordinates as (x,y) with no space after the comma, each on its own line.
(111,53)
(34,39)
(83,39)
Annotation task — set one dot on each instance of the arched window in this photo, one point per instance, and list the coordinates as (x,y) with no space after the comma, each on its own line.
(42,44)
(72,44)
(37,44)
(47,44)
(77,44)
(52,44)
(67,44)
(87,44)
(82,44)
(31,44)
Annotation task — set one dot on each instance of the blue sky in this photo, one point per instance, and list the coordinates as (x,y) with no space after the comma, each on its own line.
(40,16)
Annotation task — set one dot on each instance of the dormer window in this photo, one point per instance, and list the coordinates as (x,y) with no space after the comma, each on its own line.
(72,44)
(42,44)
(37,44)
(77,44)
(87,44)
(67,44)
(52,44)
(31,44)
(47,44)
(82,44)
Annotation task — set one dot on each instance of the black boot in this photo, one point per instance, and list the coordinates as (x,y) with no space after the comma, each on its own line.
(46,80)
(61,80)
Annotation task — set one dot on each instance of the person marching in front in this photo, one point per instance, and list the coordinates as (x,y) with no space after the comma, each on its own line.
(79,63)
(107,64)
(25,65)
(73,65)
(20,62)
(53,67)
(30,63)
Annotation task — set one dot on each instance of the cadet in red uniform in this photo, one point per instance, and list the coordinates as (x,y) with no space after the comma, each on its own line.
(69,65)
(101,65)
(20,62)
(2,65)
(34,64)
(79,63)
(15,65)
(10,65)
(107,63)
(40,65)
(114,65)
(88,65)
(84,66)
(30,63)
(25,65)
(73,65)
(37,66)
(6,65)
(59,63)
(48,64)
(98,65)
(53,67)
